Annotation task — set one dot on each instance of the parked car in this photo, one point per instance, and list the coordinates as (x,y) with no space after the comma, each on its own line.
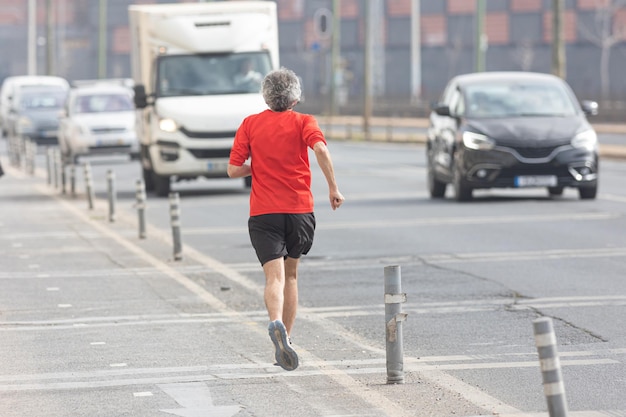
(11,87)
(34,113)
(98,119)
(511,130)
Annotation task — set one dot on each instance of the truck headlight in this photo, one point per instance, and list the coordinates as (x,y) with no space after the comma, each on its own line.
(586,140)
(168,125)
(477,141)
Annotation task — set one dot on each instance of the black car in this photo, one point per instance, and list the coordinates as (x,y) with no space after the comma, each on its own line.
(511,130)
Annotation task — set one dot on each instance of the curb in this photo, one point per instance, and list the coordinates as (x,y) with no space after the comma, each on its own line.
(350,128)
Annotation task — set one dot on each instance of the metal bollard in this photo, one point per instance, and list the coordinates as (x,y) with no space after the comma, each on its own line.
(141,208)
(553,386)
(49,164)
(89,185)
(175,222)
(63,174)
(73,180)
(393,324)
(111,194)
(31,151)
(55,167)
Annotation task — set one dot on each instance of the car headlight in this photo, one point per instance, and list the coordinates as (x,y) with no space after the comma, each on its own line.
(586,140)
(24,123)
(477,141)
(168,125)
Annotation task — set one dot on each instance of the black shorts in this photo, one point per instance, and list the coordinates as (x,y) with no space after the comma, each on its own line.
(276,236)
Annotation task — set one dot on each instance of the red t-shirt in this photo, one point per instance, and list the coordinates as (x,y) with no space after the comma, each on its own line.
(277,143)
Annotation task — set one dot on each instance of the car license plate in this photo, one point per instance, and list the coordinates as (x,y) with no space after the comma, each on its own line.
(536,181)
(217,166)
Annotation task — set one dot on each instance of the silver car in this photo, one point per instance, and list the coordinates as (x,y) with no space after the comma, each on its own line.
(98,120)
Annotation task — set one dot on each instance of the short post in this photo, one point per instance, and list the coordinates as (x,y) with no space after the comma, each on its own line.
(55,167)
(89,185)
(49,164)
(175,222)
(62,168)
(111,194)
(553,386)
(31,152)
(393,324)
(141,207)
(73,180)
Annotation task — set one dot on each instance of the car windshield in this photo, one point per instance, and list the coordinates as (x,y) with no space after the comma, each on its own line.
(518,99)
(184,75)
(102,103)
(41,99)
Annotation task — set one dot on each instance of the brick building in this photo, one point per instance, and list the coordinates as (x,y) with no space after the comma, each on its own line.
(519,36)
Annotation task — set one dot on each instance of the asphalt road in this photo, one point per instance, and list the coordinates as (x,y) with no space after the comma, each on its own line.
(97,322)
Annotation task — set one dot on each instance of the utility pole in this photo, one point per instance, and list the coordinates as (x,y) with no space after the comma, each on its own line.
(335,56)
(480,43)
(102,40)
(558,46)
(416,52)
(367,75)
(32,37)
(49,39)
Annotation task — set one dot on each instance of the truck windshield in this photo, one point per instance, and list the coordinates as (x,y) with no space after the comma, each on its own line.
(211,74)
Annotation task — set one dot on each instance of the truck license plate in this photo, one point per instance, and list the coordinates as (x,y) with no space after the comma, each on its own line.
(217,166)
(536,181)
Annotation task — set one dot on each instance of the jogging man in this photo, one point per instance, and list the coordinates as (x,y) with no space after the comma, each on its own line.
(281,223)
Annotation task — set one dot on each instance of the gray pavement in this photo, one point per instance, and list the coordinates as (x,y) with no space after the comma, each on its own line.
(97,322)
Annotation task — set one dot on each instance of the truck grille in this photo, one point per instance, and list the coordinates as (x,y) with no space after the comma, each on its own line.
(210,153)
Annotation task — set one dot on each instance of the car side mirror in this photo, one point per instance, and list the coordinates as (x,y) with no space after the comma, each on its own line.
(140,98)
(590,108)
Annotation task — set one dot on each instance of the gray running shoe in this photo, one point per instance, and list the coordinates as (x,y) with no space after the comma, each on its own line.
(286,357)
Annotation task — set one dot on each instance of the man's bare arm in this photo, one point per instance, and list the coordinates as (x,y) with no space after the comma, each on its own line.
(326,165)
(238,172)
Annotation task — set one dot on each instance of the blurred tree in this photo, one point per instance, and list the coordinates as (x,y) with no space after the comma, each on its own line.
(605,33)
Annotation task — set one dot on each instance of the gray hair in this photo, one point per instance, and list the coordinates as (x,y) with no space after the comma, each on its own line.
(281,89)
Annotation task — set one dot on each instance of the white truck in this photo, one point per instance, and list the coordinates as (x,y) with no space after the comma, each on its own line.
(197,69)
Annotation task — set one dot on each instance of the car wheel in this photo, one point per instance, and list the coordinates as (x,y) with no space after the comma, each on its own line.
(162,184)
(588,193)
(555,190)
(436,188)
(461,191)
(147,179)
(247,181)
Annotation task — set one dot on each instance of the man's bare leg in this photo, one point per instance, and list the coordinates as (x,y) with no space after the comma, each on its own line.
(274,288)
(290,305)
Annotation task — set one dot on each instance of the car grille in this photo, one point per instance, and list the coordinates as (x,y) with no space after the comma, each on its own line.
(532,152)
(208,135)
(101,130)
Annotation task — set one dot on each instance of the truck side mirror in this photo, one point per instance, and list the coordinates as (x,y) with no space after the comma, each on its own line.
(140,98)
(442,110)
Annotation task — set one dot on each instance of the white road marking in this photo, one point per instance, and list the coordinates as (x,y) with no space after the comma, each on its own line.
(195,398)
(427,222)
(142,394)
(453,307)
(236,371)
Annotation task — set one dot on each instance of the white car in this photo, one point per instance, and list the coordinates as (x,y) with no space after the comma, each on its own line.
(98,120)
